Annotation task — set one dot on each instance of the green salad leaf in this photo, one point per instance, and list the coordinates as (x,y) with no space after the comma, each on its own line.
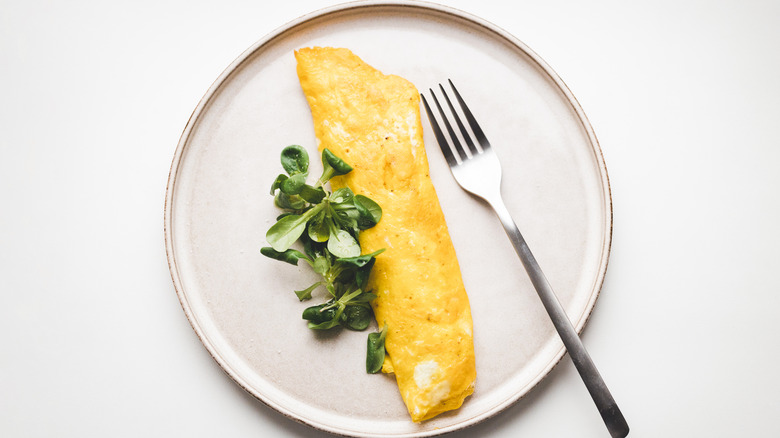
(375,354)
(327,226)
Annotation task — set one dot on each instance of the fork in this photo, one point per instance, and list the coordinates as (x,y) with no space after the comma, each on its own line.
(478,171)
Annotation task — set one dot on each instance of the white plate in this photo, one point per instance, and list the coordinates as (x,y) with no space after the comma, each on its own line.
(218,209)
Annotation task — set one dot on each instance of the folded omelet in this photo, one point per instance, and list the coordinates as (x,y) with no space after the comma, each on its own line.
(372,121)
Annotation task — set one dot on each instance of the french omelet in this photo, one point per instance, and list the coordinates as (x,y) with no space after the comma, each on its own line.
(372,121)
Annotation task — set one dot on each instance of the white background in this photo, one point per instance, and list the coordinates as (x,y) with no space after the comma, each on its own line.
(682,94)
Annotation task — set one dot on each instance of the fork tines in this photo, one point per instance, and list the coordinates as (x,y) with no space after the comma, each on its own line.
(454,151)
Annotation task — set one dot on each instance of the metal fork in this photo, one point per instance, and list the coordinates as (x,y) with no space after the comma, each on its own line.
(478,171)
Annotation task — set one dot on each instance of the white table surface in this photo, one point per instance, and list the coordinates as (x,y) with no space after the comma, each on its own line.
(683,96)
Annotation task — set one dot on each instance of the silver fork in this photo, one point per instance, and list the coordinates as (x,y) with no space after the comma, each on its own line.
(478,171)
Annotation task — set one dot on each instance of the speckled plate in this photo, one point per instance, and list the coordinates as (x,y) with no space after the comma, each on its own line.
(218,209)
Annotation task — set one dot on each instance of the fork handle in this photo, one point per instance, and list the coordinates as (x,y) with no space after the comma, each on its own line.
(610,413)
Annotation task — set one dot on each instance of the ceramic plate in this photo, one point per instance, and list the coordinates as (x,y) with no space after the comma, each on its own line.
(218,209)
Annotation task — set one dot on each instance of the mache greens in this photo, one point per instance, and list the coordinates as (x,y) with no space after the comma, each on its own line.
(327,225)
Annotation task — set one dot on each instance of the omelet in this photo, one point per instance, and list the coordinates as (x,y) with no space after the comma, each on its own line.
(372,121)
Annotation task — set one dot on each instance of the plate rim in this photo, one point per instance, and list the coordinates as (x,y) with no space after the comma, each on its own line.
(428,7)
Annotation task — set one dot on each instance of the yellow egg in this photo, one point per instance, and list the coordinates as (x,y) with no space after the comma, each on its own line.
(372,121)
